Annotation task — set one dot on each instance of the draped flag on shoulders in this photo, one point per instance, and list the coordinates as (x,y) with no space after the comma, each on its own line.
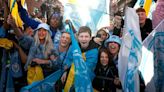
(14,12)
(131,44)
(82,81)
(152,65)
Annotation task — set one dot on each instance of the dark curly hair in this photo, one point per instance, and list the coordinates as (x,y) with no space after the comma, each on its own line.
(57,10)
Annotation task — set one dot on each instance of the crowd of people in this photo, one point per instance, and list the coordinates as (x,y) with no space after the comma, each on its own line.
(48,46)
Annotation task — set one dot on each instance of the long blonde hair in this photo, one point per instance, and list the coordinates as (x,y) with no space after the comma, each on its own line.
(48,44)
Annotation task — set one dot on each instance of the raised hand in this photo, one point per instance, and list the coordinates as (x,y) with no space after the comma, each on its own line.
(64,76)
(11,21)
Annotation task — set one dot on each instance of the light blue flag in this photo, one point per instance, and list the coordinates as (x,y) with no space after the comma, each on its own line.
(46,85)
(82,78)
(131,44)
(152,65)
(91,13)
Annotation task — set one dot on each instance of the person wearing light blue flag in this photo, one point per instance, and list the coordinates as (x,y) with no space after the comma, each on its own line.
(82,60)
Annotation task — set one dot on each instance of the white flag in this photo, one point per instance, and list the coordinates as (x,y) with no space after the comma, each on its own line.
(152,65)
(130,52)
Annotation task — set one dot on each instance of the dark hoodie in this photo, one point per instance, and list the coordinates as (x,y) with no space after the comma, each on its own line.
(146,29)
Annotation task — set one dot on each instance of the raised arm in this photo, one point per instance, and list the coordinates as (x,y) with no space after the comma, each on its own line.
(22,54)
(25,17)
(24,41)
(11,22)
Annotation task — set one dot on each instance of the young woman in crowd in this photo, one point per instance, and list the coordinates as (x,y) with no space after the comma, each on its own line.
(105,72)
(40,49)
(101,36)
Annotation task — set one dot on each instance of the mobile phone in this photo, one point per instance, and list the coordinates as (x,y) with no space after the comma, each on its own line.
(98,35)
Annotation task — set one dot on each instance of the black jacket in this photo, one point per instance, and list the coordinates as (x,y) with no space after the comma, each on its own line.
(104,80)
(146,29)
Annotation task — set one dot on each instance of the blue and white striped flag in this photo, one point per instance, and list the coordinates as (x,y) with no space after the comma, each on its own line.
(131,44)
(152,65)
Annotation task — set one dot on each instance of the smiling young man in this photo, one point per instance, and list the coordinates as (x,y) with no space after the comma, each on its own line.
(145,23)
(85,39)
(58,56)
(89,51)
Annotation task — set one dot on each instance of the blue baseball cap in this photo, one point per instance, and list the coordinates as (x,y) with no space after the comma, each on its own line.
(112,38)
(44,26)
